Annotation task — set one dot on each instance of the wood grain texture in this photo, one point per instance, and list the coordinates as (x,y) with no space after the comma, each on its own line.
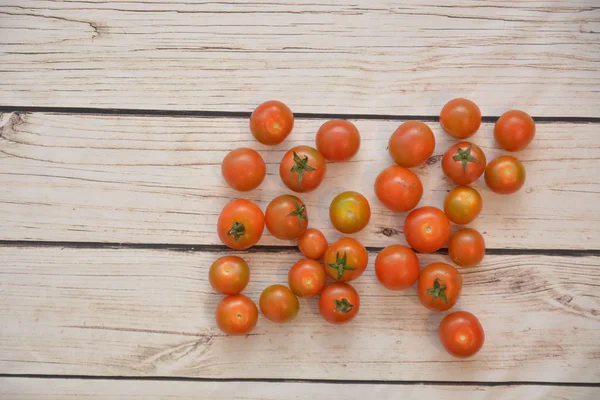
(359,56)
(60,389)
(151,313)
(158,180)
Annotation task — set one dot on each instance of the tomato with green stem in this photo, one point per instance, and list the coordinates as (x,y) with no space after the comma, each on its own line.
(241,224)
(461,334)
(271,122)
(307,278)
(229,275)
(349,212)
(463,204)
(460,118)
(302,169)
(338,140)
(339,303)
(439,286)
(466,247)
(286,217)
(514,130)
(426,229)
(346,260)
(398,188)
(312,244)
(464,163)
(236,315)
(411,144)
(505,175)
(279,304)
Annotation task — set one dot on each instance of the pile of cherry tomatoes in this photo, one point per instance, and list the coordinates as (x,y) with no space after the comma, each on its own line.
(426,229)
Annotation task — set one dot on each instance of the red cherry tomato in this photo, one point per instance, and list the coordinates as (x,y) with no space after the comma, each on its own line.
(229,275)
(302,169)
(346,260)
(279,304)
(463,204)
(240,224)
(460,118)
(461,334)
(307,278)
(338,140)
(398,188)
(439,286)
(349,212)
(514,130)
(271,122)
(312,244)
(236,315)
(411,144)
(505,175)
(243,169)
(466,247)
(286,217)
(397,267)
(339,303)
(463,163)
(427,229)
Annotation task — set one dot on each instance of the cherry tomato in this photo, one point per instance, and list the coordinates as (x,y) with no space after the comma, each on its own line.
(461,334)
(349,212)
(236,315)
(411,144)
(514,130)
(271,122)
(460,118)
(240,224)
(346,260)
(302,169)
(243,169)
(339,303)
(279,304)
(463,163)
(229,275)
(286,217)
(505,175)
(439,286)
(398,188)
(466,247)
(312,244)
(397,267)
(307,278)
(463,204)
(427,229)
(338,140)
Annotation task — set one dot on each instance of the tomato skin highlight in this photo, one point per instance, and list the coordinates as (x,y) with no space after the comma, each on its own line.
(302,169)
(398,188)
(505,175)
(350,212)
(397,267)
(271,122)
(286,217)
(307,278)
(339,303)
(236,315)
(241,224)
(346,260)
(338,140)
(427,229)
(514,130)
(279,304)
(243,169)
(439,287)
(229,275)
(312,244)
(460,118)
(461,334)
(466,247)
(468,167)
(411,144)
(463,204)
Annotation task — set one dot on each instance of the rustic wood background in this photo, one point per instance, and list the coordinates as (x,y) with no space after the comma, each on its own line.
(115,116)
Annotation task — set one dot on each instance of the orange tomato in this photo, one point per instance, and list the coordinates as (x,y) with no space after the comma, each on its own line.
(302,169)
(463,204)
(241,224)
(466,247)
(229,275)
(271,122)
(427,229)
(236,315)
(439,286)
(411,144)
(398,188)
(243,169)
(505,175)
(338,140)
(312,244)
(460,118)
(307,278)
(461,334)
(339,303)
(279,304)
(349,212)
(286,217)
(346,260)
(514,130)
(463,163)
(397,267)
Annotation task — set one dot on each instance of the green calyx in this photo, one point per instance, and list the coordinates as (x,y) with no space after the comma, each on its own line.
(438,291)
(237,230)
(341,265)
(301,166)
(299,212)
(465,157)
(343,306)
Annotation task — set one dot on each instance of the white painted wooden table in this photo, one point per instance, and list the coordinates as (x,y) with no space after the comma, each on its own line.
(117,114)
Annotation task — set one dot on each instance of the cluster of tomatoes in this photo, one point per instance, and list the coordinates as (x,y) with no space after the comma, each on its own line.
(426,229)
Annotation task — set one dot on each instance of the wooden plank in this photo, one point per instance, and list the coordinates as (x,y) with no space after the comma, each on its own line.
(151,313)
(59,389)
(361,56)
(157,180)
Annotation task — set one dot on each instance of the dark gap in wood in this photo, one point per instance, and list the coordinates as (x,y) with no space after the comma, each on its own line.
(215,248)
(321,381)
(246,114)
